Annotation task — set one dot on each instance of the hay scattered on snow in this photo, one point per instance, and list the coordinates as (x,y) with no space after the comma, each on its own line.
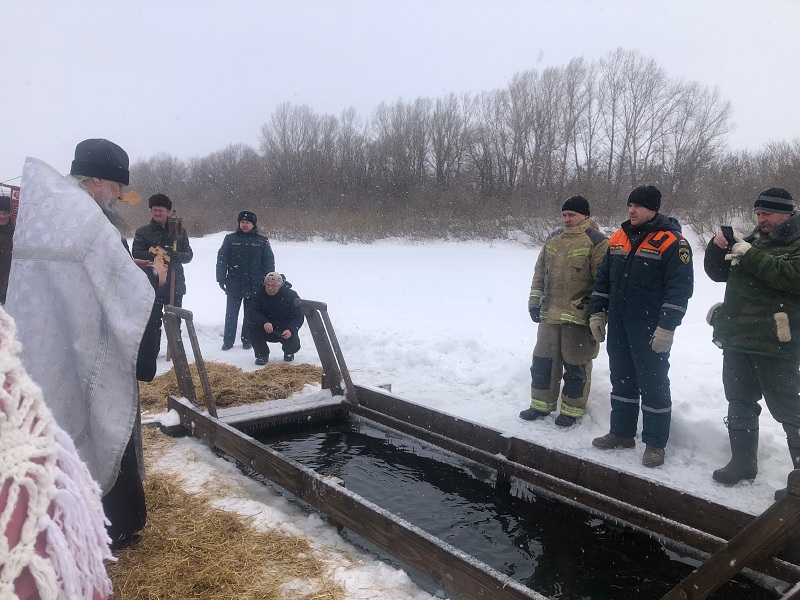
(231,386)
(192,550)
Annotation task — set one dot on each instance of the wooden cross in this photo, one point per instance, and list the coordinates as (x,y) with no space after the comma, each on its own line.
(160,255)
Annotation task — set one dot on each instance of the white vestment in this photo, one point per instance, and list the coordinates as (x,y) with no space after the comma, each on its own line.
(81,306)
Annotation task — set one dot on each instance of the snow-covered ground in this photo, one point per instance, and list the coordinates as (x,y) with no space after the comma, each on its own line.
(446,324)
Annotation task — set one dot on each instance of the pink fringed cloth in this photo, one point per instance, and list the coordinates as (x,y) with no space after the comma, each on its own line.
(52,529)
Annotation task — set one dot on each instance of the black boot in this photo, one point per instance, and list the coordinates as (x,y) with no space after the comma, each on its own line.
(795,452)
(743,435)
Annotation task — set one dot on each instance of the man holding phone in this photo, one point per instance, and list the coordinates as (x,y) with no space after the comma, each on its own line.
(758,329)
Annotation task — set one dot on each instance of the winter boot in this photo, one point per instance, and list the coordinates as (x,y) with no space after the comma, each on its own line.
(743,435)
(531,414)
(611,440)
(653,456)
(563,420)
(795,452)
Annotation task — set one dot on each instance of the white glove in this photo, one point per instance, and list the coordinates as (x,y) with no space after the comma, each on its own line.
(597,326)
(737,251)
(661,340)
(711,311)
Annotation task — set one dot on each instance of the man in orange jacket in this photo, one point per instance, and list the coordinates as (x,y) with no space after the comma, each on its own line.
(642,290)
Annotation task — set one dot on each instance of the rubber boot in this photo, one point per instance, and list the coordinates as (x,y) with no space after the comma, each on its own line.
(744,452)
(795,453)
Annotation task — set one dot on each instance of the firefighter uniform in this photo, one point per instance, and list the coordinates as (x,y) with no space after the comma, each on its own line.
(644,282)
(561,288)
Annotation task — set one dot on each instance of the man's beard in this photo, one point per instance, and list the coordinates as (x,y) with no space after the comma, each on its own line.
(116,219)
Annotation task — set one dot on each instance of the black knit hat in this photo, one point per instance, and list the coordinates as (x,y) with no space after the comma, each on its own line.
(102,159)
(776,200)
(647,196)
(247,215)
(160,200)
(5,204)
(577,204)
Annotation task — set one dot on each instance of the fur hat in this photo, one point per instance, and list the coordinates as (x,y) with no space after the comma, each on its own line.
(5,204)
(647,196)
(273,277)
(776,200)
(102,159)
(247,215)
(160,200)
(577,204)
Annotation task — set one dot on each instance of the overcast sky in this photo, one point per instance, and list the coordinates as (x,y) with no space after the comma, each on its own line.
(190,77)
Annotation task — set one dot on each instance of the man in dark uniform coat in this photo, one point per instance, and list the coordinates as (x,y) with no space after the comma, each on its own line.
(274,317)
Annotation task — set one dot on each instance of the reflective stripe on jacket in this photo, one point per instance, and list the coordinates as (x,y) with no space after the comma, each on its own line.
(564,274)
(647,275)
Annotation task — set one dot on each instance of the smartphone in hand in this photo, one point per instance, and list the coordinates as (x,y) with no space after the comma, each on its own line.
(727,232)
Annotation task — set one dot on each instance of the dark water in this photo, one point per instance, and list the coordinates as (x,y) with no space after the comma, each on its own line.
(556,549)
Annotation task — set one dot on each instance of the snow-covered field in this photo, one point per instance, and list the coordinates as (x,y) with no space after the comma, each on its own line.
(446,324)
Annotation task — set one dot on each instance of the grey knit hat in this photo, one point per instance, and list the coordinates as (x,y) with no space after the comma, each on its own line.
(776,200)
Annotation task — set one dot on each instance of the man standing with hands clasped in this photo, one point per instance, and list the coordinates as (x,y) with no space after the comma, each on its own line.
(758,329)
(642,291)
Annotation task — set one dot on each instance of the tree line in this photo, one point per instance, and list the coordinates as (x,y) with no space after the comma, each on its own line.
(485,165)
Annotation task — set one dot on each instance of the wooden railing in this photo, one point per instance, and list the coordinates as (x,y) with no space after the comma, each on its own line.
(763,537)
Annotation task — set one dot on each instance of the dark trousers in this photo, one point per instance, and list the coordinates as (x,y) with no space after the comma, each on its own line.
(124,504)
(259,339)
(748,377)
(637,370)
(232,319)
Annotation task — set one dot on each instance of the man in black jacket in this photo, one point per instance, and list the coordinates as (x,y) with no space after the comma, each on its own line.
(274,317)
(156,235)
(243,260)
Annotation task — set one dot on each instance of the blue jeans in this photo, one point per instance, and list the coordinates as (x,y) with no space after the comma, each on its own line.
(232,320)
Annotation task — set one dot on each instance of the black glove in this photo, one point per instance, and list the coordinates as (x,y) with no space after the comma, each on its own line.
(535,314)
(222,286)
(174,256)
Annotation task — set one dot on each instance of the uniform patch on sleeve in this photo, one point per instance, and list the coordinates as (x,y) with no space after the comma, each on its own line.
(684,255)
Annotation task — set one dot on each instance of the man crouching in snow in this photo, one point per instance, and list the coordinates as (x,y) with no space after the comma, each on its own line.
(81,305)
(274,317)
(758,329)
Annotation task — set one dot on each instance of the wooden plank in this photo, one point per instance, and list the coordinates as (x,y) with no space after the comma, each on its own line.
(331,376)
(268,408)
(180,362)
(337,351)
(445,565)
(172,325)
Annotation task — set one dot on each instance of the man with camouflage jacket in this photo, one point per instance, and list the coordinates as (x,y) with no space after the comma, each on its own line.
(559,301)
(758,329)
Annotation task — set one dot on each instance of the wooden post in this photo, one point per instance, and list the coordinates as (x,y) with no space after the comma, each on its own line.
(765,535)
(172,323)
(331,376)
(175,227)
(330,353)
